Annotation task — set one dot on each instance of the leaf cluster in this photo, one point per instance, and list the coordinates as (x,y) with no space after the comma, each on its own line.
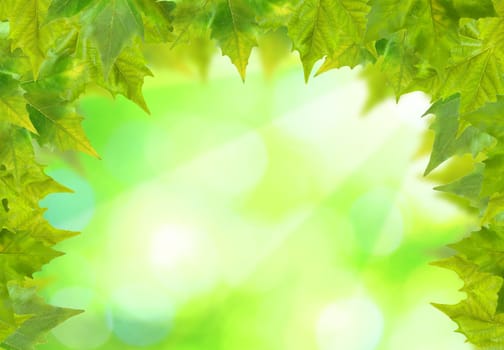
(52,51)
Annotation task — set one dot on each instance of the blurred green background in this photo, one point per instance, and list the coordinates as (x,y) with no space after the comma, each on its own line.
(257,216)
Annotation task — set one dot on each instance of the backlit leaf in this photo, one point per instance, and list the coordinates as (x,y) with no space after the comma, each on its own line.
(112,25)
(13,103)
(234,29)
(319,28)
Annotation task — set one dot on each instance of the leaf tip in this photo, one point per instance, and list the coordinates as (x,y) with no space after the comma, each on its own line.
(307,74)
(243,72)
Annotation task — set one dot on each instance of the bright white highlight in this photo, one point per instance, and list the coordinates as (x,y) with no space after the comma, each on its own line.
(351,324)
(410,109)
(172,246)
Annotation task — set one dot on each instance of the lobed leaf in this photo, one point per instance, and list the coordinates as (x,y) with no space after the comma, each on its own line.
(234,29)
(113,25)
(320,28)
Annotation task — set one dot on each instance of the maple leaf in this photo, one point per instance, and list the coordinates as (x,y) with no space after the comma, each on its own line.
(21,255)
(485,119)
(66,8)
(26,20)
(467,187)
(476,315)
(234,29)
(447,141)
(113,25)
(52,51)
(319,28)
(478,66)
(37,317)
(157,20)
(484,248)
(20,171)
(190,17)
(127,76)
(13,103)
(58,123)
(398,62)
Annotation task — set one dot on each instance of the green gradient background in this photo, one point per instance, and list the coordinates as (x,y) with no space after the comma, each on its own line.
(265,215)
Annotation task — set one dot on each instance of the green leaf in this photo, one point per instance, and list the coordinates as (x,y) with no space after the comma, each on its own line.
(5,9)
(484,248)
(398,62)
(52,51)
(21,255)
(492,175)
(26,21)
(157,19)
(478,65)
(57,122)
(320,28)
(40,318)
(273,15)
(396,12)
(476,315)
(477,8)
(127,77)
(66,8)
(20,171)
(468,187)
(446,127)
(487,119)
(112,26)
(494,208)
(190,19)
(349,55)
(13,103)
(61,76)
(234,29)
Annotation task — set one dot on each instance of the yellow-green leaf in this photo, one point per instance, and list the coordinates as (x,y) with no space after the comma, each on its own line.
(58,123)
(26,21)
(234,29)
(13,103)
(113,25)
(319,28)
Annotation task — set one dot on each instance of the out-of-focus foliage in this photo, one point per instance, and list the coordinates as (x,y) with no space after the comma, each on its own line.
(252,227)
(51,51)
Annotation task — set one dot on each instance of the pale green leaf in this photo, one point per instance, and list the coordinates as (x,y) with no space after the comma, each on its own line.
(467,187)
(13,103)
(42,318)
(447,142)
(488,119)
(113,25)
